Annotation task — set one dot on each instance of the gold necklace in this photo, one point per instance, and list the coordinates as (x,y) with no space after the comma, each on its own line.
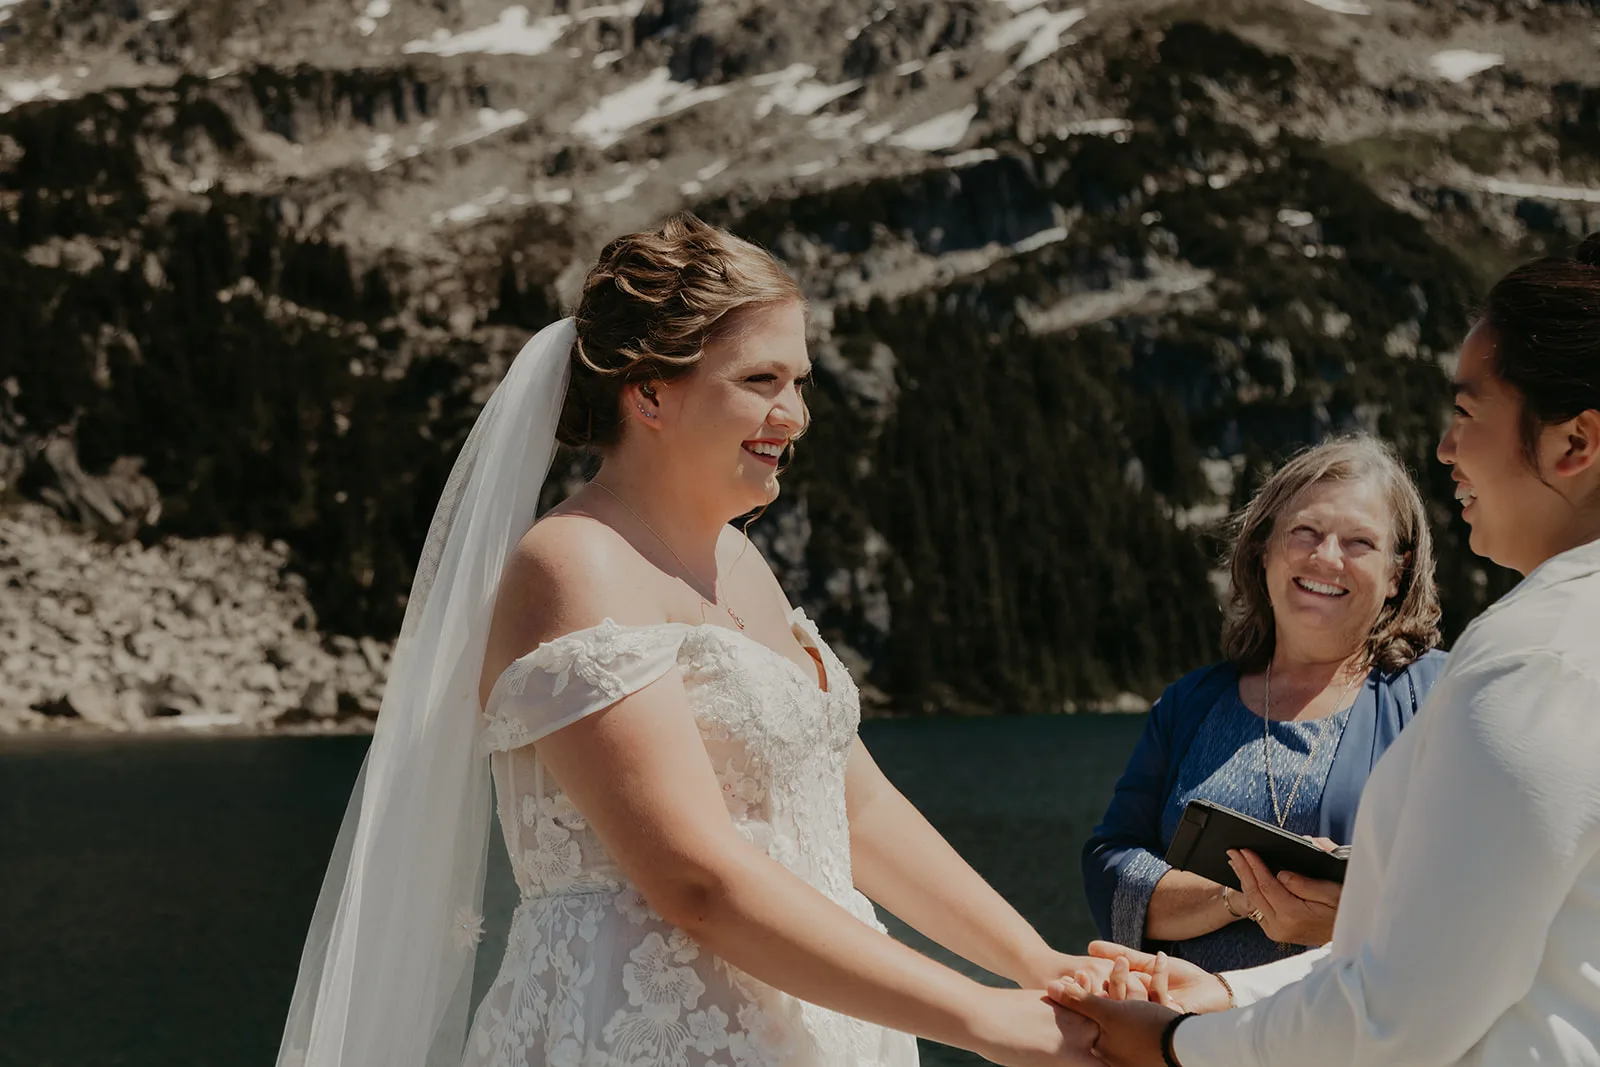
(1282,817)
(734,615)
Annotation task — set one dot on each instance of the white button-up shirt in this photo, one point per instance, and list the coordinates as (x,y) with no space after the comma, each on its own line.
(1469,929)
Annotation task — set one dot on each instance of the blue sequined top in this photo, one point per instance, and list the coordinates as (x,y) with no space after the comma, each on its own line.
(1225,765)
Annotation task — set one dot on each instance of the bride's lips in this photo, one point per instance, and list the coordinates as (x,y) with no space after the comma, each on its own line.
(766,450)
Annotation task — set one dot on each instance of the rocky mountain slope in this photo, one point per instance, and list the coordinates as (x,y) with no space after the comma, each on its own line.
(1079,273)
(191,633)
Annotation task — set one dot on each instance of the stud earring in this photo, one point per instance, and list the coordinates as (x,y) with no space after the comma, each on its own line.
(646,414)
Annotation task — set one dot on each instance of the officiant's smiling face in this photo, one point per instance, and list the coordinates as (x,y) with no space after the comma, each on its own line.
(1331,561)
(734,415)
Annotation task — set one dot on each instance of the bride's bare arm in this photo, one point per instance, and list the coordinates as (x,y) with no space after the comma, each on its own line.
(640,775)
(905,865)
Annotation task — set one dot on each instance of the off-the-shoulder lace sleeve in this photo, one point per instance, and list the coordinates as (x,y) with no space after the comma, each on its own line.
(575,675)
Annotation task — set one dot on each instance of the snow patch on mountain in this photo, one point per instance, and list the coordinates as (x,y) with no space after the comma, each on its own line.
(1459,64)
(1042,31)
(653,97)
(1342,7)
(941,131)
(513,33)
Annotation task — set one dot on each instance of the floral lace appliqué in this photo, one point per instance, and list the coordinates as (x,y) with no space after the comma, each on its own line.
(596,658)
(589,655)
(555,860)
(466,929)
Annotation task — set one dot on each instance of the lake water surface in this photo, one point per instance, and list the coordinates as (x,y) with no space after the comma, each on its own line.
(154,892)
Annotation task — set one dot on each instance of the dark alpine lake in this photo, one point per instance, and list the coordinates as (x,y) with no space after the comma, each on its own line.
(154,891)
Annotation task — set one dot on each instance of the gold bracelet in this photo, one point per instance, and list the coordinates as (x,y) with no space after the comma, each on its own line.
(1232,1003)
(1227,902)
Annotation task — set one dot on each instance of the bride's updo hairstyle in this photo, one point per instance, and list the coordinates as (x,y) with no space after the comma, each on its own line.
(649,307)
(1546,321)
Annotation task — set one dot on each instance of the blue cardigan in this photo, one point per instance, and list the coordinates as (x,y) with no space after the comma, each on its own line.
(1132,824)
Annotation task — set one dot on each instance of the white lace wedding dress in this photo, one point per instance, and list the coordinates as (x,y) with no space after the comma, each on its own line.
(592,977)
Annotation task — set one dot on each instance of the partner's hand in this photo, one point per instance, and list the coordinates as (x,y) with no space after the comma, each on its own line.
(1187,987)
(1130,1030)
(1294,909)
(1023,1028)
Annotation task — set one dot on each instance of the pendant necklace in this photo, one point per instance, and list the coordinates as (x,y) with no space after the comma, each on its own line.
(734,615)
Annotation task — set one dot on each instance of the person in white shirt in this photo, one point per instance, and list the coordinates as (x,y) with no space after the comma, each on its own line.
(1469,930)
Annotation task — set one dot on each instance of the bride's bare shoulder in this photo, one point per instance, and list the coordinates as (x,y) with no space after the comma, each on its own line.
(573,570)
(568,573)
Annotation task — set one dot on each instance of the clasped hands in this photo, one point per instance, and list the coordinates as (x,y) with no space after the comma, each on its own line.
(1102,1005)
(1133,1001)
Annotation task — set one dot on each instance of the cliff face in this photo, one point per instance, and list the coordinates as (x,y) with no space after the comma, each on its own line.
(1079,274)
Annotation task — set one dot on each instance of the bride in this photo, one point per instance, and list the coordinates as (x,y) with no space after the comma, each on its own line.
(694,827)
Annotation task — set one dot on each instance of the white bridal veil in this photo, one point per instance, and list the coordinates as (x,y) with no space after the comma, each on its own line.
(386,976)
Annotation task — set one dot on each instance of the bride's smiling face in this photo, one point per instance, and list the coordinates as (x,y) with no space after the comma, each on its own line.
(733,415)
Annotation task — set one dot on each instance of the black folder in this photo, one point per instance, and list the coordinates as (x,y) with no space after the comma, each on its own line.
(1207,831)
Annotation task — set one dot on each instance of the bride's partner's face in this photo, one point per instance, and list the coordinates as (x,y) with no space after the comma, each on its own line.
(731,417)
(1517,513)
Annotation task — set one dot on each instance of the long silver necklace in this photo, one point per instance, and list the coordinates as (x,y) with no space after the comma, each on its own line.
(1282,816)
(734,615)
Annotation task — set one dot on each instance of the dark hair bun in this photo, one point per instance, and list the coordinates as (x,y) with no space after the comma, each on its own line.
(1547,317)
(1588,251)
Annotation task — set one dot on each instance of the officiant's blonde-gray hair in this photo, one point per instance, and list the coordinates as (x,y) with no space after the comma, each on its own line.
(1408,623)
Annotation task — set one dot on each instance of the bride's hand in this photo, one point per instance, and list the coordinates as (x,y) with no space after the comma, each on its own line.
(1130,1030)
(1184,987)
(1023,1028)
(1093,974)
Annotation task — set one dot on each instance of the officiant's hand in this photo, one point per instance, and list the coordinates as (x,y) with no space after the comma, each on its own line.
(1289,907)
(1130,1030)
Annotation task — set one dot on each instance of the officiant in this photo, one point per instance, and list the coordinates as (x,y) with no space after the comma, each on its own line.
(1330,644)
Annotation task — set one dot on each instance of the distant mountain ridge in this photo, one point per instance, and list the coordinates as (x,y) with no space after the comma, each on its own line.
(1079,272)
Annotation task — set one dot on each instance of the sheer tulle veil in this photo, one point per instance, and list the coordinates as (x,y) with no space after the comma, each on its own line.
(386,975)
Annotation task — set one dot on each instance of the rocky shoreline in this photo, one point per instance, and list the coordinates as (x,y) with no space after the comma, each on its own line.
(210,634)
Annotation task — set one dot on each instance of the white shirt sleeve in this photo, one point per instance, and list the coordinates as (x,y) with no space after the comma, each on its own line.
(1254,983)
(1500,812)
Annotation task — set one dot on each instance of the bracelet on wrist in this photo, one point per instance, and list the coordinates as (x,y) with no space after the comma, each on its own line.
(1227,902)
(1169,1057)
(1227,985)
